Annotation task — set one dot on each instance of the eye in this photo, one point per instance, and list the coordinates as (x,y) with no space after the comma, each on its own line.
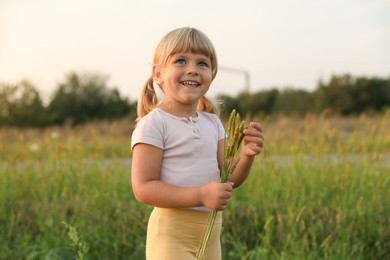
(180,61)
(203,64)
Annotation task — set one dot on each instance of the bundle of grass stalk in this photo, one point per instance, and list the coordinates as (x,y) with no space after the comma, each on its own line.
(233,138)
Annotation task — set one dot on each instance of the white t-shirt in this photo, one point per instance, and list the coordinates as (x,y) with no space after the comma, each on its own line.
(189,145)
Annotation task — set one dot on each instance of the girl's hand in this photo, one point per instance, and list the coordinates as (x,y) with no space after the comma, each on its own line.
(216,195)
(253,140)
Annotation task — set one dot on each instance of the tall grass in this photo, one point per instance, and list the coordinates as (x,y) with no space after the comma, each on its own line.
(320,190)
(233,138)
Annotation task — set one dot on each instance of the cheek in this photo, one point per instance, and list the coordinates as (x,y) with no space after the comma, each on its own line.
(210,78)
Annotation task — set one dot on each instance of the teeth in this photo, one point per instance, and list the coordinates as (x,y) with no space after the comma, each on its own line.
(190,83)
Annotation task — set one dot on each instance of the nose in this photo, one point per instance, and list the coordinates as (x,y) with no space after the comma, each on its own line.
(192,69)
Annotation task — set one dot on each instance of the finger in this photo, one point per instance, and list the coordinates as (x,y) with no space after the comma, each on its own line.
(254,140)
(255,131)
(223,204)
(228,186)
(255,148)
(256,126)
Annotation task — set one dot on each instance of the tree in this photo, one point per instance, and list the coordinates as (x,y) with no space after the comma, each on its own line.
(336,95)
(227,104)
(82,97)
(21,105)
(371,94)
(347,95)
(294,102)
(258,103)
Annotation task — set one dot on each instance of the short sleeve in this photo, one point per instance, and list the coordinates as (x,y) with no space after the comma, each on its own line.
(148,131)
(221,129)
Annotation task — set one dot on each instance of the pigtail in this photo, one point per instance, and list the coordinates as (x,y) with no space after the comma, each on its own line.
(207,106)
(147,100)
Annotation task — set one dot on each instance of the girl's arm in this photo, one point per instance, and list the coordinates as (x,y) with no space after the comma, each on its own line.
(252,145)
(148,189)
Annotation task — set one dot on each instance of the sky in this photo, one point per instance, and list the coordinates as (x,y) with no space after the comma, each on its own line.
(280,43)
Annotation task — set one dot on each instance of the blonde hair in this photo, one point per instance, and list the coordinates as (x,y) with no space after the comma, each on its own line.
(180,40)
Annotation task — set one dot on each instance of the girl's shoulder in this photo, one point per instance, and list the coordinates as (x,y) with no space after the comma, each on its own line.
(150,129)
(212,120)
(153,120)
(210,116)
(155,116)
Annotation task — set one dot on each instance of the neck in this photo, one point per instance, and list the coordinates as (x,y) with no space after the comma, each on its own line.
(180,110)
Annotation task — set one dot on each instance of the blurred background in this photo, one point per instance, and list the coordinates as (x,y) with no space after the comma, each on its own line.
(261,45)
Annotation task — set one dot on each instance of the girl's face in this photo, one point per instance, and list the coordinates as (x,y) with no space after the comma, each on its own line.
(185,78)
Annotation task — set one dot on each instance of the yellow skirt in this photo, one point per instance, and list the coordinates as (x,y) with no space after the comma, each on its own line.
(176,233)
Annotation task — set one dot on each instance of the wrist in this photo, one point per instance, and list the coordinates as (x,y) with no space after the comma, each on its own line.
(244,156)
(199,193)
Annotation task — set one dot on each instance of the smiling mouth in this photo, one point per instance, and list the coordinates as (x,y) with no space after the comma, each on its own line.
(190,83)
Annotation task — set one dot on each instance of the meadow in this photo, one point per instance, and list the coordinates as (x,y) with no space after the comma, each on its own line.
(320,190)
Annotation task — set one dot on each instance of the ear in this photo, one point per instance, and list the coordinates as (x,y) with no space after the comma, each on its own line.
(157,75)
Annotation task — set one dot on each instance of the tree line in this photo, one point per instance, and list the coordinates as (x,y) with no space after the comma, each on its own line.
(78,99)
(84,97)
(342,95)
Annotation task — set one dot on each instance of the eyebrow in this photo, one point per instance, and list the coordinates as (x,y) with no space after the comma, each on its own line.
(202,57)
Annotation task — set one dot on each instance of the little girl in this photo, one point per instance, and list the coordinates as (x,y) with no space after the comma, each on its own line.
(178,149)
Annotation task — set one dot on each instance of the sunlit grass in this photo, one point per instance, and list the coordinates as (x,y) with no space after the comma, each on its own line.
(320,190)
